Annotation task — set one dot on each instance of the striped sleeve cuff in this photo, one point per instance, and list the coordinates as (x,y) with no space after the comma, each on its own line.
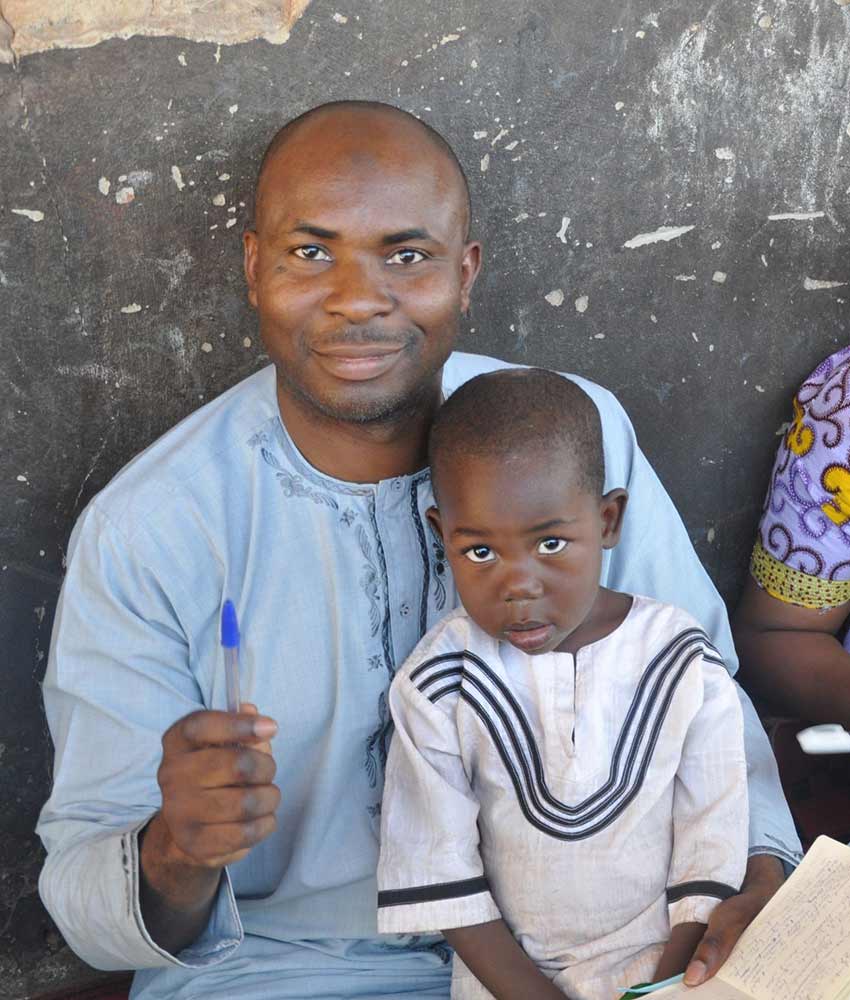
(695,901)
(441,906)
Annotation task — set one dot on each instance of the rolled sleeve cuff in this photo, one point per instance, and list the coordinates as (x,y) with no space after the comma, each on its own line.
(220,938)
(442,906)
(695,901)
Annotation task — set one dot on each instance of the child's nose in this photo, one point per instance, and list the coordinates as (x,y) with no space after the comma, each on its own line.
(521,585)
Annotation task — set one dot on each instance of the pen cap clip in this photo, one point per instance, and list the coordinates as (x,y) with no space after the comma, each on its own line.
(229,626)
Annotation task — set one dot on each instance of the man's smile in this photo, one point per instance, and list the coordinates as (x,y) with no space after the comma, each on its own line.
(358,362)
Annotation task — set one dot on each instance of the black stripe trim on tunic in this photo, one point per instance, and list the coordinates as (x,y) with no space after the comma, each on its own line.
(459,671)
(432,893)
(719,890)
(530,789)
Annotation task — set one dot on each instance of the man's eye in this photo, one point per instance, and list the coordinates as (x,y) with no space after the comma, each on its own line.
(407,257)
(479,554)
(549,546)
(311,252)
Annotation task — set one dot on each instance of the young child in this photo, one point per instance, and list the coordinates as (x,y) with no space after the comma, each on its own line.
(566,787)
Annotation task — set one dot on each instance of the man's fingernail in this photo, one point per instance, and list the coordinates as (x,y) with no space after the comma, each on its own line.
(695,973)
(265,728)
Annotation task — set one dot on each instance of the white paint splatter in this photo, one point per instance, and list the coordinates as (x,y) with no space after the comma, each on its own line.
(521,217)
(33,214)
(724,153)
(599,336)
(640,34)
(22,479)
(219,199)
(182,58)
(340,18)
(246,342)
(661,235)
(217,54)
(765,22)
(555,297)
(719,277)
(224,177)
(103,185)
(177,177)
(229,223)
(134,307)
(233,108)
(685,277)
(709,536)
(653,318)
(562,232)
(512,145)
(449,38)
(816,284)
(619,106)
(759,388)
(480,134)
(138,178)
(499,135)
(206,347)
(798,216)
(582,303)
(716,245)
(125,195)
(485,163)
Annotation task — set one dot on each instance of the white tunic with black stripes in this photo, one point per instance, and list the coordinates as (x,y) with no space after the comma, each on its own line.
(592,801)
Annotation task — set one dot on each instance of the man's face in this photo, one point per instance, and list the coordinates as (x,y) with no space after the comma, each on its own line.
(525,547)
(358,268)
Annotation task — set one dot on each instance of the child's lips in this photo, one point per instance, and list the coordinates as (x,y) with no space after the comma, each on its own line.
(528,636)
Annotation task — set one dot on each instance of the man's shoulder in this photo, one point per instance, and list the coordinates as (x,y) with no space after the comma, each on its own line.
(200,449)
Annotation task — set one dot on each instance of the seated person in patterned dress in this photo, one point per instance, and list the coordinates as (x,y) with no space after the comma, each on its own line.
(566,787)
(790,626)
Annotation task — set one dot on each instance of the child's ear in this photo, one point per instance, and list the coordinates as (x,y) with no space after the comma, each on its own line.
(612,508)
(433,515)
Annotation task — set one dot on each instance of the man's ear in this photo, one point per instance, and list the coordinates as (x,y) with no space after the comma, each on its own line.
(250,263)
(469,268)
(433,515)
(612,509)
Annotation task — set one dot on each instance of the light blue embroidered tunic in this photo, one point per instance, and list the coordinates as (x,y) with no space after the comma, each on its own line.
(334,584)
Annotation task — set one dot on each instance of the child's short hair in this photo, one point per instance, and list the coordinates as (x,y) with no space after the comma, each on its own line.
(521,409)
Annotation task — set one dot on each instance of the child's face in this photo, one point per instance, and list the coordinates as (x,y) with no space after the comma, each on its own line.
(525,546)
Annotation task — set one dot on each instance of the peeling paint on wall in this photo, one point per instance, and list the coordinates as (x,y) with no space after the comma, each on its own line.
(28,26)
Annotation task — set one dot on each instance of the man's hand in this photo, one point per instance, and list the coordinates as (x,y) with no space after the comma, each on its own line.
(730,918)
(218,801)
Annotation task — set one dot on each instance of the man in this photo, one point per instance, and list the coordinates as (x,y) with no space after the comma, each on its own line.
(300,495)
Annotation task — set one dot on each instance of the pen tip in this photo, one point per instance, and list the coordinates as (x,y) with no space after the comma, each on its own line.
(229,625)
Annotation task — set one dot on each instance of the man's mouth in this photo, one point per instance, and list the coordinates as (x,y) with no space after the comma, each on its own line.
(358,362)
(528,635)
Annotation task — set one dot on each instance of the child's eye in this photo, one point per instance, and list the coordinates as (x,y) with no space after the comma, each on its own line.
(549,546)
(480,554)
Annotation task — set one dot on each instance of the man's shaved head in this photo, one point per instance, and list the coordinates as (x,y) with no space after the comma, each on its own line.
(348,113)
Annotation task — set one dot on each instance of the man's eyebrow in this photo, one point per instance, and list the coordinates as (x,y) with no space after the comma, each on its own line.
(405,235)
(311,230)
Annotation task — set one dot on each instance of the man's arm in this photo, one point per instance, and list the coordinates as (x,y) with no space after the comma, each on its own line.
(495,958)
(791,658)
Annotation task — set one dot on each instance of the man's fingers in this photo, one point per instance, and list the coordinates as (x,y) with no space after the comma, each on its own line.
(726,924)
(215,767)
(218,844)
(208,728)
(233,805)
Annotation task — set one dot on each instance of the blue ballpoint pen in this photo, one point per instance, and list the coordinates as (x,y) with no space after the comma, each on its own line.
(230,644)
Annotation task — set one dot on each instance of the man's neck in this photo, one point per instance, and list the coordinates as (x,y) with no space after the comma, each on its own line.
(360,453)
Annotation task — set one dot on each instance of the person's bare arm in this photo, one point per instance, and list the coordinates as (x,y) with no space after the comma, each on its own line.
(217,803)
(731,918)
(790,657)
(679,950)
(494,956)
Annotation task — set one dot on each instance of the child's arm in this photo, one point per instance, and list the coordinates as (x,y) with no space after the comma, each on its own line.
(494,956)
(677,952)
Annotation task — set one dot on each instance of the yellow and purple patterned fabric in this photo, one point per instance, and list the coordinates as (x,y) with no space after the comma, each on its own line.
(802,553)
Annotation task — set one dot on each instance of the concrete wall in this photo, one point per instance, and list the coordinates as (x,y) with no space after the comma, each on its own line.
(583,125)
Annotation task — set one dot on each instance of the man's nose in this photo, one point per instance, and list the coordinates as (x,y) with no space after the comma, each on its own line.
(521,583)
(359,292)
